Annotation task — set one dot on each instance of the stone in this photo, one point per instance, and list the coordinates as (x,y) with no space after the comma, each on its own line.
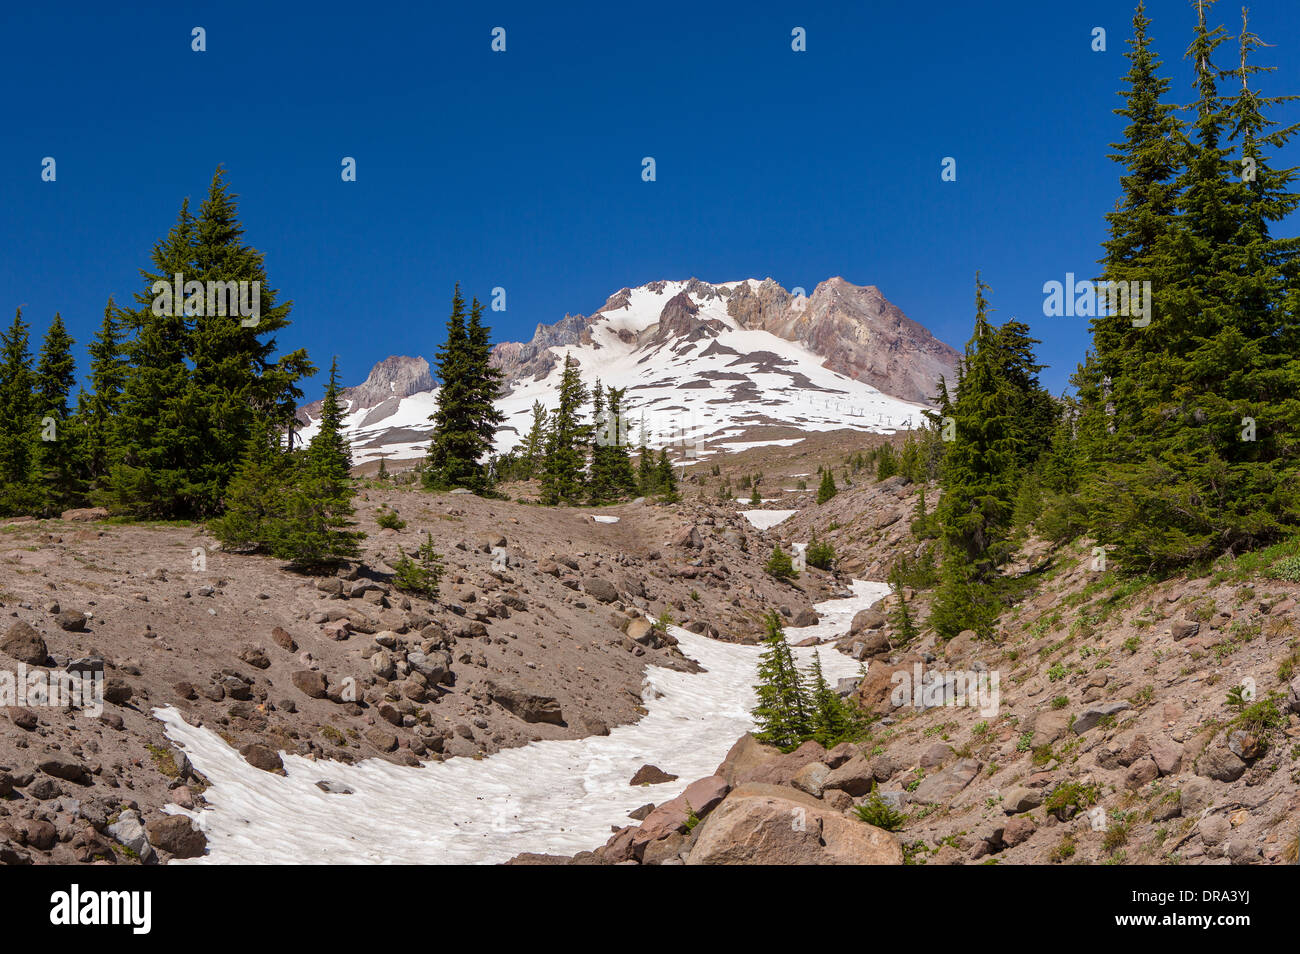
(811,778)
(67,769)
(764,829)
(1140,773)
(866,619)
(310,682)
(281,638)
(71,621)
(1183,629)
(382,739)
(528,706)
(935,755)
(177,835)
(854,777)
(942,786)
(130,832)
(1017,830)
(639,814)
(1167,754)
(1049,725)
(1093,715)
(651,775)
(687,537)
(25,644)
(1019,799)
(601,589)
(262,757)
(703,795)
(744,756)
(84,514)
(1220,764)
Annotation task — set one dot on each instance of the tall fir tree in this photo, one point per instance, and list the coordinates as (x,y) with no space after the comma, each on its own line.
(783,713)
(55,476)
(563,470)
(17,424)
(317,528)
(98,407)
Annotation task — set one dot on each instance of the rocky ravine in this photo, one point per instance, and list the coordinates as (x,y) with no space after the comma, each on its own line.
(552,644)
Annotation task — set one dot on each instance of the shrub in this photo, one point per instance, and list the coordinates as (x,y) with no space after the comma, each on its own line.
(876,811)
(779,566)
(819,554)
(422,574)
(389,520)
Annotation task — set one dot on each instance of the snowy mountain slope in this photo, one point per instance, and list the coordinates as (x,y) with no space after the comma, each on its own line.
(699,372)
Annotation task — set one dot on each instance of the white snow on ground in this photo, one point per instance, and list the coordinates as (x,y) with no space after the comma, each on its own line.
(684,395)
(557,797)
(767,519)
(604,518)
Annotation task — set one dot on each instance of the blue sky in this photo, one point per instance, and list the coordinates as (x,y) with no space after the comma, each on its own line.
(522,169)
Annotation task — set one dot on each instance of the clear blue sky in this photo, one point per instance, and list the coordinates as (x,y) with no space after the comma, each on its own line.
(523,169)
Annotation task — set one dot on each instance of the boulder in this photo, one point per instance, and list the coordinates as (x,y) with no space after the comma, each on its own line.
(743,757)
(811,778)
(854,777)
(1019,799)
(529,706)
(687,537)
(651,775)
(130,832)
(781,769)
(760,829)
(25,644)
(601,589)
(1221,764)
(310,682)
(944,785)
(1091,716)
(71,621)
(866,619)
(177,835)
(84,514)
(262,757)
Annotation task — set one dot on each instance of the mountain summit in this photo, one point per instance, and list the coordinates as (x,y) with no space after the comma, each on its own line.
(702,363)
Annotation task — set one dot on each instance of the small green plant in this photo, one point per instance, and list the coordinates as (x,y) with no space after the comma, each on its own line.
(1057,671)
(664,620)
(389,520)
(779,565)
(422,574)
(1070,797)
(876,811)
(819,554)
(1060,702)
(695,595)
(1288,568)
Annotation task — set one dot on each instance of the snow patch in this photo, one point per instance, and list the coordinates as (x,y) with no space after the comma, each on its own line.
(767,519)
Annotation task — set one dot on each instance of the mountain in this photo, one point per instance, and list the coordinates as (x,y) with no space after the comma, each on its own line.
(703,365)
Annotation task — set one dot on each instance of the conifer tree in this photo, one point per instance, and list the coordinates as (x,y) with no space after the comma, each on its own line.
(54,461)
(535,442)
(665,478)
(563,474)
(826,489)
(783,713)
(98,407)
(886,464)
(256,500)
(622,478)
(833,720)
(17,425)
(647,473)
(316,530)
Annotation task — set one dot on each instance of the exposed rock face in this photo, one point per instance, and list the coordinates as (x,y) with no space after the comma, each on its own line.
(859,332)
(389,381)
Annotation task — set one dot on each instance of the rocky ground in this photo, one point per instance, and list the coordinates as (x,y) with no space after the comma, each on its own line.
(1114,739)
(539,632)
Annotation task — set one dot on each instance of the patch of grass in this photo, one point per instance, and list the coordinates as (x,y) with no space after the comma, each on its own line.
(1070,797)
(163,760)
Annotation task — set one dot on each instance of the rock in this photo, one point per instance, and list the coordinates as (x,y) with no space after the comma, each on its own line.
(651,775)
(71,621)
(1017,830)
(781,769)
(805,617)
(382,739)
(703,795)
(761,829)
(640,813)
(601,589)
(259,756)
(117,691)
(1245,745)
(176,835)
(854,777)
(434,666)
(1019,799)
(1183,629)
(256,657)
(1293,695)
(1220,764)
(23,718)
(942,786)
(67,769)
(129,831)
(935,755)
(1213,829)
(642,631)
(529,706)
(743,757)
(841,754)
(310,682)
(1049,725)
(282,639)
(1194,797)
(1091,716)
(811,778)
(84,514)
(25,644)
(687,537)
(866,619)
(1140,772)
(1167,754)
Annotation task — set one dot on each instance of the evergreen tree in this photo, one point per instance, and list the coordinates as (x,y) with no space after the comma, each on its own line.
(783,713)
(647,473)
(256,500)
(563,475)
(901,615)
(97,408)
(827,489)
(54,454)
(17,425)
(316,529)
(886,464)
(535,442)
(832,719)
(665,477)
(779,565)
(484,388)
